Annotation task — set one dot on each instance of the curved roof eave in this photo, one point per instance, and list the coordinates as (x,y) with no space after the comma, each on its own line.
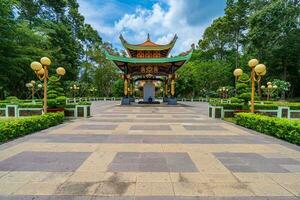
(148,60)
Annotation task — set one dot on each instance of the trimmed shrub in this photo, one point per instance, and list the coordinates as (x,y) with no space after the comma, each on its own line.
(231,106)
(238,106)
(55,88)
(30,105)
(84,103)
(288,130)
(12,99)
(71,105)
(2,105)
(235,100)
(13,128)
(61,101)
(246,97)
(293,106)
(265,107)
(56,98)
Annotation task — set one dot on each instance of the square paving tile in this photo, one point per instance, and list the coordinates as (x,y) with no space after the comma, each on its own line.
(149,116)
(152,162)
(204,128)
(252,162)
(292,168)
(44,161)
(151,127)
(96,127)
(77,138)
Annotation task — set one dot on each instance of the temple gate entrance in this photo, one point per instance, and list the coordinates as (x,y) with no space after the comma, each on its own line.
(149,92)
(149,62)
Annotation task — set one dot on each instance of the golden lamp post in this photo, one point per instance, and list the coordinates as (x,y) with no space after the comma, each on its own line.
(270,88)
(257,71)
(31,87)
(223,92)
(93,90)
(74,89)
(41,70)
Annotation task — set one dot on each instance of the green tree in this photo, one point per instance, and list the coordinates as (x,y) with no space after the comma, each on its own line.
(19,45)
(105,77)
(282,87)
(118,88)
(274,37)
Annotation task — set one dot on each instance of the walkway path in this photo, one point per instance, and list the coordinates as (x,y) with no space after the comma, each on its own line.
(149,153)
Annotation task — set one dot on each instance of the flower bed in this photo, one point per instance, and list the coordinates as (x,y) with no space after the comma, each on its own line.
(13,128)
(285,129)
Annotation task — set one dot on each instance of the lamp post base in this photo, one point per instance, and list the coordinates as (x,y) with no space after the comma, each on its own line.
(165,99)
(132,99)
(125,101)
(172,101)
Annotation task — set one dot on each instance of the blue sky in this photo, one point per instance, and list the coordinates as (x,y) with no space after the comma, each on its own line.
(160,18)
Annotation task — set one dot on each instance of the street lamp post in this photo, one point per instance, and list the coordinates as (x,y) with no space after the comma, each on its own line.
(74,89)
(258,70)
(41,70)
(223,92)
(93,90)
(31,88)
(270,89)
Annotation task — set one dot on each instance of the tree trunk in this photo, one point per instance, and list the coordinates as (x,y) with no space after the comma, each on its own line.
(284,64)
(237,50)
(259,90)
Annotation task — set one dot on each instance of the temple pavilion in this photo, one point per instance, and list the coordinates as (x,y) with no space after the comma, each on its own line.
(146,64)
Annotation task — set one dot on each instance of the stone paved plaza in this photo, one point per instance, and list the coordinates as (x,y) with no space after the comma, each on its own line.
(149,153)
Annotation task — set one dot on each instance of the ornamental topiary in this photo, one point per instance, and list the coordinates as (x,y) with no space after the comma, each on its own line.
(55,88)
(242,88)
(12,99)
(56,98)
(247,97)
(61,101)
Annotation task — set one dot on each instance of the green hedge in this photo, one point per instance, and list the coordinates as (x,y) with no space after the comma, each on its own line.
(235,100)
(22,105)
(71,105)
(238,106)
(84,103)
(13,128)
(265,107)
(231,106)
(285,129)
(293,106)
(30,105)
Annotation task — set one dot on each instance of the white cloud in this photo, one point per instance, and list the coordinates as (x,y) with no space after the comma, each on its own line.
(162,23)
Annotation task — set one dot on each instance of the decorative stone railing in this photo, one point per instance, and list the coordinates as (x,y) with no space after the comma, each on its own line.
(78,111)
(281,112)
(90,99)
(16,111)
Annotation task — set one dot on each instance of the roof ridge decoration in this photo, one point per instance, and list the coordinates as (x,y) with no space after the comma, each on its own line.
(148,44)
